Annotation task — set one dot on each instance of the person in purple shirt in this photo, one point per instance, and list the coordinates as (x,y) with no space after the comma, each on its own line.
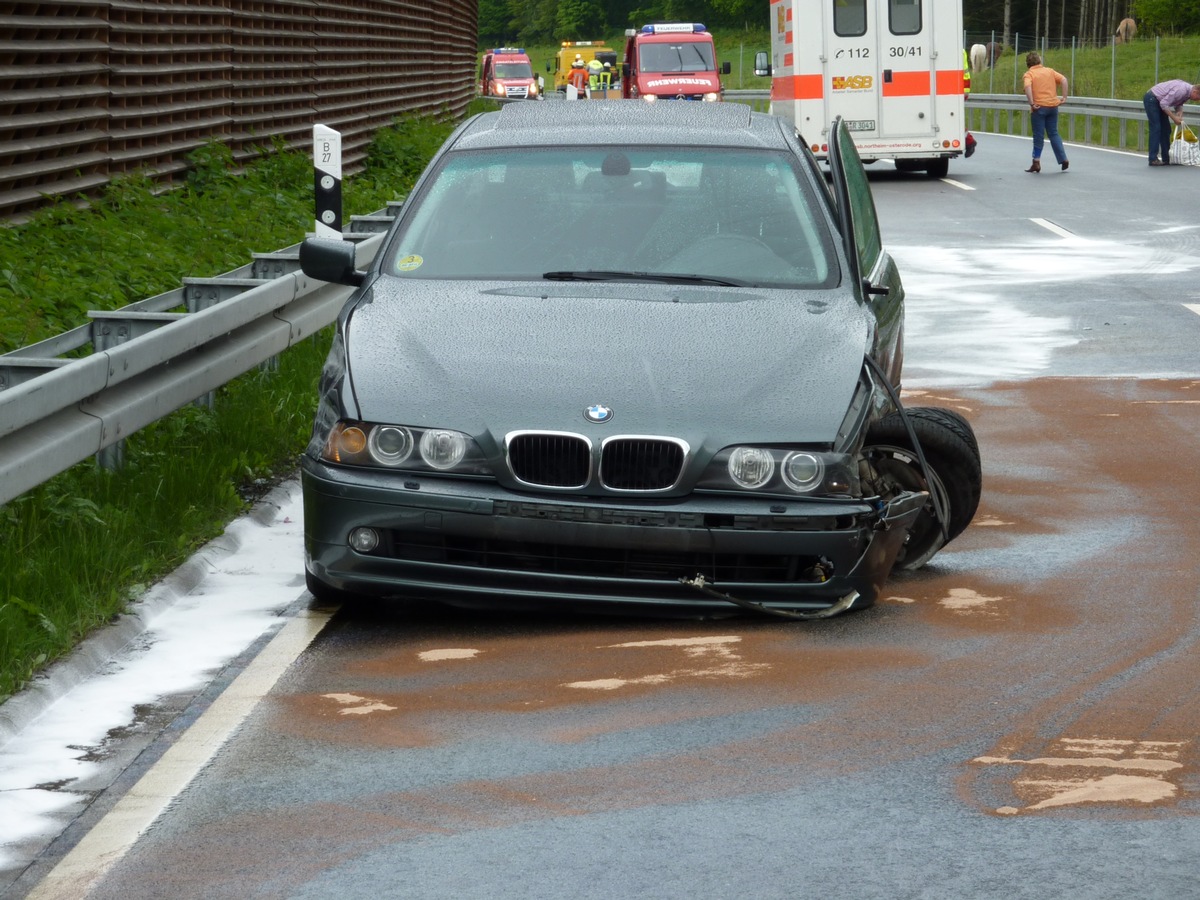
(1165,102)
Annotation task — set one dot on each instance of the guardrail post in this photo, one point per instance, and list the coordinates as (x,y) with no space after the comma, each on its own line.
(106,334)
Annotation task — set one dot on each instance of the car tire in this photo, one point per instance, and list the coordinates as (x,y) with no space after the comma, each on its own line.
(953,419)
(956,474)
(938,168)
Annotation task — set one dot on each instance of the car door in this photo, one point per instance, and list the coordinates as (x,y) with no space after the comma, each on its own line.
(873,272)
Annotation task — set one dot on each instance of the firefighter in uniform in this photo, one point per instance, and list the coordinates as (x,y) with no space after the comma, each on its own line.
(595,67)
(578,77)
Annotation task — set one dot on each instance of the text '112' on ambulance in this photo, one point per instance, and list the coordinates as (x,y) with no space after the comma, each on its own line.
(891,69)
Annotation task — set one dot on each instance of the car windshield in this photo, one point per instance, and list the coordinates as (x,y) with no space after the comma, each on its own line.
(721,216)
(513,70)
(684,56)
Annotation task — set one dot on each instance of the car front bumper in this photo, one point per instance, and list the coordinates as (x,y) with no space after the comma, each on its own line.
(477,544)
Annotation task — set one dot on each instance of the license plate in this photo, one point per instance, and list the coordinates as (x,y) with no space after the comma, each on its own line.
(860,124)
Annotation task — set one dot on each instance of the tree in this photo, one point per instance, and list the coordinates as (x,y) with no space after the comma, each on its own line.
(494,17)
(579,20)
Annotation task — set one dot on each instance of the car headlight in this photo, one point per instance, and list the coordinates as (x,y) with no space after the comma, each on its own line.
(802,471)
(650,98)
(712,96)
(783,471)
(389,445)
(443,449)
(402,447)
(751,467)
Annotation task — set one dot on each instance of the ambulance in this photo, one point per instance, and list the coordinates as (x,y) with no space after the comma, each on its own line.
(671,61)
(507,72)
(892,69)
(586,51)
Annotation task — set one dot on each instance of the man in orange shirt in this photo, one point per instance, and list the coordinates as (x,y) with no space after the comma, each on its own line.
(1041,89)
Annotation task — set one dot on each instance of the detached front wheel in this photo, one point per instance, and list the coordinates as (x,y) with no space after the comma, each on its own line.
(955,475)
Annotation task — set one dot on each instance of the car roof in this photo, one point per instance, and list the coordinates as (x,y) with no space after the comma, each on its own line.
(622,122)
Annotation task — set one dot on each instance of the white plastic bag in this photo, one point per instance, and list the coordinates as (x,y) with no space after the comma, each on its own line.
(1185,148)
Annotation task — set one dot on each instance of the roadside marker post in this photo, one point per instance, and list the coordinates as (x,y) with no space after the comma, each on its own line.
(327,181)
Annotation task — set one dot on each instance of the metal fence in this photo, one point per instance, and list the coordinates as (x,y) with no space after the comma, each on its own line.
(94,89)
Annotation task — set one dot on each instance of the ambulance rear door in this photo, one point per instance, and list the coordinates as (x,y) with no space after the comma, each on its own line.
(880,74)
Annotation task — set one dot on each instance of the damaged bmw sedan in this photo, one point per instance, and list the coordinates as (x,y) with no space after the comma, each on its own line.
(632,358)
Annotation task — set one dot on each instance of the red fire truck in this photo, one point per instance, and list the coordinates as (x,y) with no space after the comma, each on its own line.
(507,72)
(672,61)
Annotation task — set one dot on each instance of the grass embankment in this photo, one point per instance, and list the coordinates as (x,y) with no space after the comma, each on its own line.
(76,550)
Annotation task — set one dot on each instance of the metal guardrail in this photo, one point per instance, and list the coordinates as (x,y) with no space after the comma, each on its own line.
(148,360)
(1081,119)
(1084,120)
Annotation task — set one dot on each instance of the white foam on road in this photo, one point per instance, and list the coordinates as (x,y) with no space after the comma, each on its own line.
(971,313)
(249,577)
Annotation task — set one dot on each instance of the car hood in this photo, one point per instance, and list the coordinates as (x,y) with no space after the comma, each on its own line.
(709,365)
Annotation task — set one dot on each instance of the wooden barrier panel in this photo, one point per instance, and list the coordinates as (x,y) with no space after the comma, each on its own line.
(96,89)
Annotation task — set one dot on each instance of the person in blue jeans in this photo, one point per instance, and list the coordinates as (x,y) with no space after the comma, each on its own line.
(1164,104)
(1041,89)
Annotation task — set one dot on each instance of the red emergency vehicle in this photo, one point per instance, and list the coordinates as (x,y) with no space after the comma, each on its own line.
(671,61)
(507,72)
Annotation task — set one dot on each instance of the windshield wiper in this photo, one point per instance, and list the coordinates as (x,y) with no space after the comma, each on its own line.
(657,277)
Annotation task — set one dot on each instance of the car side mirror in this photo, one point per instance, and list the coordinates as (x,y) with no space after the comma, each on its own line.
(330,260)
(762,65)
(726,68)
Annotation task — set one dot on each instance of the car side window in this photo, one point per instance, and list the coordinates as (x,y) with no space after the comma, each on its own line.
(867,239)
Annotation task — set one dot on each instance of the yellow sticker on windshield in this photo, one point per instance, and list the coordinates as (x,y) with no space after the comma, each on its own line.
(408,263)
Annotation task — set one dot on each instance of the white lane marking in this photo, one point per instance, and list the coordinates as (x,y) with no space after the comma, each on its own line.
(110,838)
(1194,307)
(957,184)
(1050,226)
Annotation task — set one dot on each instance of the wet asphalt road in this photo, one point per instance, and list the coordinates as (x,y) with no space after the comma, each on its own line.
(1018,720)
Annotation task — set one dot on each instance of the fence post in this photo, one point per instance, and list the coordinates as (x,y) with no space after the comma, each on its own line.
(1112,78)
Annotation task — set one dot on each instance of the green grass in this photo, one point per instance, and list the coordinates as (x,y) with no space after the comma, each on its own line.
(1093,72)
(76,550)
(1099,72)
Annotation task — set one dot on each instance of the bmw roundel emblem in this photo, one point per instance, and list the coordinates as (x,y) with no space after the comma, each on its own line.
(598,413)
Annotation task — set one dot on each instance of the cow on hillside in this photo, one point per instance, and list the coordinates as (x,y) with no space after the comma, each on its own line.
(1125,31)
